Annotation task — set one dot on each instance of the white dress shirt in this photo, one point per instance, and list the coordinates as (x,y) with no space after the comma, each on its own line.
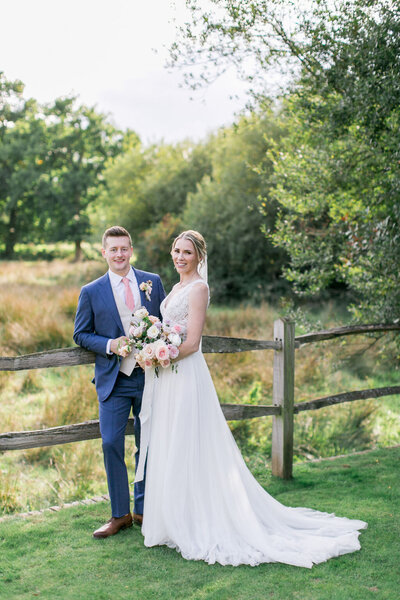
(119,288)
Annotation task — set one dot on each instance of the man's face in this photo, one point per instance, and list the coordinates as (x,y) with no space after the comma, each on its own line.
(117,253)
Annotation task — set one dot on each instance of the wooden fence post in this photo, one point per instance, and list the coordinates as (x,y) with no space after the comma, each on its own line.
(283,396)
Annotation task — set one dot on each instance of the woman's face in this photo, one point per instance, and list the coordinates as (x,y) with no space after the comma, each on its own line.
(184,257)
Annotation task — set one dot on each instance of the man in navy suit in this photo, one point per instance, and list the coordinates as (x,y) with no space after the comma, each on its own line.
(101,325)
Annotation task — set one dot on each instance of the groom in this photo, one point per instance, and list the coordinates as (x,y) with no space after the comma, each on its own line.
(101,325)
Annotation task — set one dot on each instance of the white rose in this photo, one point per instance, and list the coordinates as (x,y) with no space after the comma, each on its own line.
(124,350)
(166,327)
(136,331)
(141,313)
(175,339)
(139,329)
(152,332)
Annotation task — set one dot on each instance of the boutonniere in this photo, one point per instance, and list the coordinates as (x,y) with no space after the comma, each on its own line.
(146,287)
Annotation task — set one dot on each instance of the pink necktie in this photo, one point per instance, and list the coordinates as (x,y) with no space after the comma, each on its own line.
(129,301)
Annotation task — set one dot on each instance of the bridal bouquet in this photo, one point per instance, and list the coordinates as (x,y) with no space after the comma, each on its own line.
(153,343)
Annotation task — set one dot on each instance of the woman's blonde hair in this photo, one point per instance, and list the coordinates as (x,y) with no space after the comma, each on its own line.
(197,240)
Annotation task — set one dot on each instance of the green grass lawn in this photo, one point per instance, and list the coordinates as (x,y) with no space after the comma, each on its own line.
(54,556)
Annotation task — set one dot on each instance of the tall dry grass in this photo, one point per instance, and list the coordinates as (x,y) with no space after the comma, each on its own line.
(45,273)
(37,306)
(38,303)
(40,477)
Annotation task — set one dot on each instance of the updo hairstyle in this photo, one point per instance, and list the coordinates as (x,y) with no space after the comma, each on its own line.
(197,240)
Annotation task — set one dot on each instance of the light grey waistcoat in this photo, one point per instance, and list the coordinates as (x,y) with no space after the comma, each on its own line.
(128,363)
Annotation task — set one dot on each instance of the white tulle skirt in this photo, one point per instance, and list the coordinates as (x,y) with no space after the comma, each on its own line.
(200,497)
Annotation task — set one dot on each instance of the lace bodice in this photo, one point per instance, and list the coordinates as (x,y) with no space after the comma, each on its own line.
(175,307)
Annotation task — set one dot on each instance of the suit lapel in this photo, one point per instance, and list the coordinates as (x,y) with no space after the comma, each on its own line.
(140,277)
(109,300)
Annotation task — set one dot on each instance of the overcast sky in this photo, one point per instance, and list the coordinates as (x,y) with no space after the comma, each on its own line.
(102,50)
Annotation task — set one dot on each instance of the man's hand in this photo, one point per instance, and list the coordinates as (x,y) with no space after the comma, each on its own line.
(118,343)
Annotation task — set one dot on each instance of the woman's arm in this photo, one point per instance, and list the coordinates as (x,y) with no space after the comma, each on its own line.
(198,301)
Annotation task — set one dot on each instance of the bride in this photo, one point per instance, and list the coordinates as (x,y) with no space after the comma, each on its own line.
(200,497)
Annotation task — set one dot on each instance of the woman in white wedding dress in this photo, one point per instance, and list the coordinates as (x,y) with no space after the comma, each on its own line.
(200,497)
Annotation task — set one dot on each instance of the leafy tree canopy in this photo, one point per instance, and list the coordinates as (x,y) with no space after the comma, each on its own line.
(24,148)
(51,163)
(225,208)
(336,176)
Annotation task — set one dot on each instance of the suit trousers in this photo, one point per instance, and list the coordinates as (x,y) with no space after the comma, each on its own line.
(113,415)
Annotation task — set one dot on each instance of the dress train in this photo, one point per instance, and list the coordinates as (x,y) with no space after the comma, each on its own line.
(200,497)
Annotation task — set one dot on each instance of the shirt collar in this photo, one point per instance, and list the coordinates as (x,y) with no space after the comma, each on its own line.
(116,279)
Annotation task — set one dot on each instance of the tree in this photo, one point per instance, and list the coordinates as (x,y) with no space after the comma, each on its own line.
(23,153)
(146,192)
(145,184)
(225,209)
(51,163)
(154,247)
(263,38)
(83,142)
(254,36)
(337,180)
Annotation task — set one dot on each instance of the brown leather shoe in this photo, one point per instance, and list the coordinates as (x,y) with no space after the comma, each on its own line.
(138,519)
(113,526)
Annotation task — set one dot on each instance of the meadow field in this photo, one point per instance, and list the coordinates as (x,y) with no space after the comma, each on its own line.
(37,306)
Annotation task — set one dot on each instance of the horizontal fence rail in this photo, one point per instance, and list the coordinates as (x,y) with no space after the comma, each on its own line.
(54,436)
(68,357)
(282,410)
(330,334)
(90,430)
(62,357)
(346,397)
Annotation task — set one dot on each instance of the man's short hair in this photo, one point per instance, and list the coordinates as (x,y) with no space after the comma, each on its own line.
(115,231)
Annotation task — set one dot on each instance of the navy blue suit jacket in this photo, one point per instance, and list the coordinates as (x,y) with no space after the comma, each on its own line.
(97,320)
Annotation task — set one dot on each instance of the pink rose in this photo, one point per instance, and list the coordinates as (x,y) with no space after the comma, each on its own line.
(177,328)
(173,351)
(148,363)
(165,363)
(148,351)
(161,352)
(153,319)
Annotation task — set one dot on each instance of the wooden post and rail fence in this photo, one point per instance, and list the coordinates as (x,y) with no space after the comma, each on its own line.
(282,410)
